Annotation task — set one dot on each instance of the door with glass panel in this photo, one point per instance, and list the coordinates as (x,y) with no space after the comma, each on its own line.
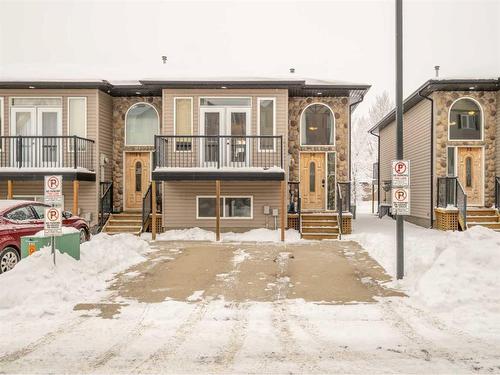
(212,125)
(49,148)
(470,173)
(23,123)
(312,180)
(236,150)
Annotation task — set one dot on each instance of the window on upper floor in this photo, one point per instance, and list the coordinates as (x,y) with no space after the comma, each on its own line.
(141,125)
(465,120)
(77,117)
(266,122)
(317,125)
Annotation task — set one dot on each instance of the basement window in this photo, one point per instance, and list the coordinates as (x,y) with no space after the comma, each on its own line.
(231,207)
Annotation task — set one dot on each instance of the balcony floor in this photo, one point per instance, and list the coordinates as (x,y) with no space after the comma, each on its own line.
(29,174)
(226,173)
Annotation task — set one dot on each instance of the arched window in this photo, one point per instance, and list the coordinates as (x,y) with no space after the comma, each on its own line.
(138,176)
(141,125)
(317,125)
(465,120)
(468,172)
(312,177)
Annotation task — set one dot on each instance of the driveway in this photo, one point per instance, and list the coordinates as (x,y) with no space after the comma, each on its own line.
(197,307)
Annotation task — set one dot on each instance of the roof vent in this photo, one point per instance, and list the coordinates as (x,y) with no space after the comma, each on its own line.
(164,59)
(436,69)
(292,70)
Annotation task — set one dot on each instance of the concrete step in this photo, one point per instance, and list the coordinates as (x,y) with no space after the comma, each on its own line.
(320,229)
(122,229)
(482,219)
(320,236)
(495,225)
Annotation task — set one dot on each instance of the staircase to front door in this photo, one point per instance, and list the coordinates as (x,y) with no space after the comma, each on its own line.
(486,217)
(319,226)
(125,222)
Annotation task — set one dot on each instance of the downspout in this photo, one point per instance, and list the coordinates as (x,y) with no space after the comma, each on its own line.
(432,155)
(378,169)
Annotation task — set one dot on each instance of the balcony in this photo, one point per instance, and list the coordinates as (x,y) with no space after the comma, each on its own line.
(223,157)
(32,157)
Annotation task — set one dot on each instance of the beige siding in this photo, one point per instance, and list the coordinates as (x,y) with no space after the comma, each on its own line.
(417,149)
(180,203)
(86,199)
(88,190)
(105,138)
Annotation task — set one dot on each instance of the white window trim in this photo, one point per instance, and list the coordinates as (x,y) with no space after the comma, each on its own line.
(481,130)
(274,123)
(223,197)
(192,122)
(125,124)
(68,114)
(334,126)
(224,97)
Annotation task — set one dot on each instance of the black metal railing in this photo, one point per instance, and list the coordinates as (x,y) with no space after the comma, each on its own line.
(105,203)
(345,189)
(147,207)
(450,193)
(340,203)
(223,151)
(295,201)
(46,152)
(497,192)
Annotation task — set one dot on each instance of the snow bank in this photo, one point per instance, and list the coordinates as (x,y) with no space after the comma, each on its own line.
(36,288)
(254,235)
(453,274)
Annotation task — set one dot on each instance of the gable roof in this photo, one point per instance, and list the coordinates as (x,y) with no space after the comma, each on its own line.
(432,85)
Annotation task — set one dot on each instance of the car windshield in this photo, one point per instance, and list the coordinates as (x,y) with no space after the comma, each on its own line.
(20,214)
(40,210)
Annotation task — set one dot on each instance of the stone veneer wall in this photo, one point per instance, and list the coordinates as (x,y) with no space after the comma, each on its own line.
(120,108)
(443,101)
(340,109)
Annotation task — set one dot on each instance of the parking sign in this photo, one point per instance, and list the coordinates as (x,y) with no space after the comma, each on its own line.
(53,191)
(53,221)
(401,187)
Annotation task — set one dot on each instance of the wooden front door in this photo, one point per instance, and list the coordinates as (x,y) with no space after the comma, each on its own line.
(137,178)
(470,173)
(312,180)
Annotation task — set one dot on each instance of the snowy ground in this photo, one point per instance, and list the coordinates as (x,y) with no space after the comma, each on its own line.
(80,318)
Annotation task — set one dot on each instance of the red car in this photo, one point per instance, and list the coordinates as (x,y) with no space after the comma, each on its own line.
(25,218)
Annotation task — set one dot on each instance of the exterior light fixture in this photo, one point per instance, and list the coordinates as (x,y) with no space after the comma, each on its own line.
(223,87)
(138,93)
(319,93)
(31,87)
(471,88)
(313,128)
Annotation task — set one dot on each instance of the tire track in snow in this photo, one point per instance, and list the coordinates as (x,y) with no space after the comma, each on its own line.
(167,351)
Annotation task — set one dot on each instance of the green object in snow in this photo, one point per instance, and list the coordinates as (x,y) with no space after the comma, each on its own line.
(68,243)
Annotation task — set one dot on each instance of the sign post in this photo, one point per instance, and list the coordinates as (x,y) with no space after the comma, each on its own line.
(53,215)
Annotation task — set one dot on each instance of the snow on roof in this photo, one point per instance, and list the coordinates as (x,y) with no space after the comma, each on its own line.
(7,203)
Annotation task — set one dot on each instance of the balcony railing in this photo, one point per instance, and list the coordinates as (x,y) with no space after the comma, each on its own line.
(46,152)
(224,151)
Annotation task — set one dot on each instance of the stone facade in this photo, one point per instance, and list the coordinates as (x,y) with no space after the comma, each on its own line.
(340,109)
(120,108)
(443,101)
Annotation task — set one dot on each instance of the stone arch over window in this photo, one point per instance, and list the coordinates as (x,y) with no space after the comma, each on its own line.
(465,120)
(317,125)
(142,122)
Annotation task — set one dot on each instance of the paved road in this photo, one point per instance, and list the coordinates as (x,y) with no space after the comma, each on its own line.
(247,308)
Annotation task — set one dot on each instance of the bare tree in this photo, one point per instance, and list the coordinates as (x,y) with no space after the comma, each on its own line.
(364,145)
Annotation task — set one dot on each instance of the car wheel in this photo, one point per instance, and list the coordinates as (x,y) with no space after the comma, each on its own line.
(83,235)
(8,259)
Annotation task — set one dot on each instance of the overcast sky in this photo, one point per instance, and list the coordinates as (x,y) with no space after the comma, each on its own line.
(339,40)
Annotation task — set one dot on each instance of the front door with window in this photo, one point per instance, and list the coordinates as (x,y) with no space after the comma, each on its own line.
(137,178)
(470,173)
(312,180)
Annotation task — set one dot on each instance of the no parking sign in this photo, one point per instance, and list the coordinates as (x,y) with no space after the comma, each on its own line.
(401,187)
(53,221)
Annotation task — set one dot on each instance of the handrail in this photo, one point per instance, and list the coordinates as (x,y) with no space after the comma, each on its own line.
(295,201)
(340,206)
(44,151)
(147,209)
(218,151)
(497,192)
(105,203)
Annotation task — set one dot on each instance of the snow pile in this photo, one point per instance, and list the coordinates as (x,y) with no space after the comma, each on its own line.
(240,256)
(254,235)
(36,288)
(453,274)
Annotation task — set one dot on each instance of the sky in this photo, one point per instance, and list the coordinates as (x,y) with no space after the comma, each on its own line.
(335,40)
